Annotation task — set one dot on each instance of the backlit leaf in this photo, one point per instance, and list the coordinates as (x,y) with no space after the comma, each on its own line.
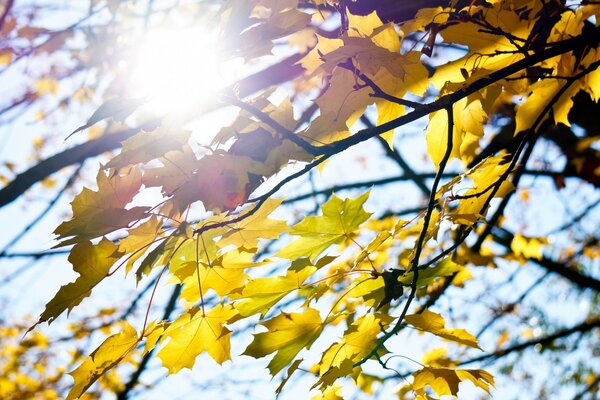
(195,332)
(431,322)
(444,381)
(92,263)
(96,213)
(339,221)
(105,357)
(287,335)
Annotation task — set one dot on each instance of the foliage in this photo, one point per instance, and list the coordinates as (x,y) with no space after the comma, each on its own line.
(328,293)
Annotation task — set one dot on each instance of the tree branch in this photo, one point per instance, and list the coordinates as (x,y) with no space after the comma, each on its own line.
(280,72)
(546,340)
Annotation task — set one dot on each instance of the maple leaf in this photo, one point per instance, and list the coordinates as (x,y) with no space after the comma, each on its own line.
(293,367)
(165,251)
(339,221)
(429,275)
(139,239)
(358,341)
(147,146)
(177,168)
(257,226)
(444,381)
(431,322)
(105,357)
(194,332)
(92,263)
(287,335)
(96,213)
(260,294)
(220,180)
(224,274)
(484,177)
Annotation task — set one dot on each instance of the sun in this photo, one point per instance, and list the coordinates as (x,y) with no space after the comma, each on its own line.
(175,69)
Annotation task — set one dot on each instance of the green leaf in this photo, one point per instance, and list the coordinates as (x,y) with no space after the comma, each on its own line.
(340,219)
(287,335)
(260,294)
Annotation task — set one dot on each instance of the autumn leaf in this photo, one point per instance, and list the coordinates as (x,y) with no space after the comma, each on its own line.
(224,274)
(427,276)
(92,263)
(106,356)
(96,213)
(287,335)
(257,226)
(445,381)
(431,322)
(357,342)
(139,240)
(195,332)
(290,371)
(260,294)
(485,178)
(147,146)
(528,247)
(339,221)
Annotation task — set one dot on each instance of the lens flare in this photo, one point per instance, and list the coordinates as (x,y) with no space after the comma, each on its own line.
(177,69)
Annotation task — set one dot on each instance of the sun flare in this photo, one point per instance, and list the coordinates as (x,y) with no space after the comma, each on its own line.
(177,68)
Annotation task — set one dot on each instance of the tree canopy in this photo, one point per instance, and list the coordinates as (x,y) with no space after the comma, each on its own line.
(367,198)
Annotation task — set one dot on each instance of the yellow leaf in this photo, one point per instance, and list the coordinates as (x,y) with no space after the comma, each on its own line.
(166,251)
(339,221)
(437,357)
(139,239)
(46,85)
(287,335)
(92,263)
(224,275)
(331,393)
(444,381)
(431,322)
(260,294)
(527,247)
(485,177)
(437,137)
(428,276)
(358,341)
(257,226)
(5,57)
(195,332)
(105,357)
(424,17)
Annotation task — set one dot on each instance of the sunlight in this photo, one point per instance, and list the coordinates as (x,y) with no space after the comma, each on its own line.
(177,69)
